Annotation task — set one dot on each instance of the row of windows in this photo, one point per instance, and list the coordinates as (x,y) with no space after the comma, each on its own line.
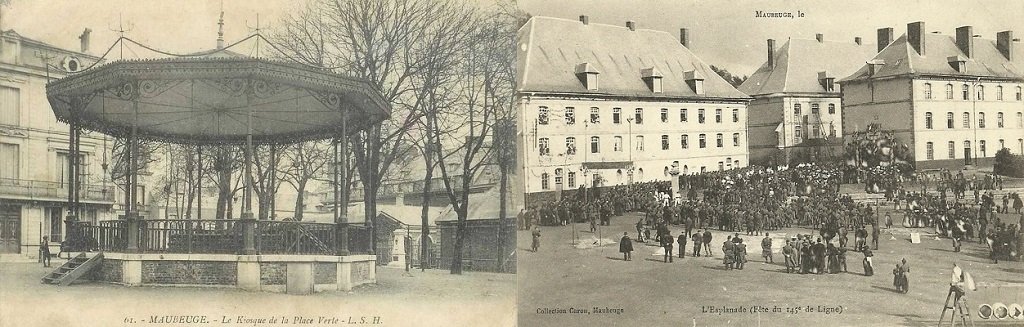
(544,115)
(951,148)
(815,110)
(596,179)
(965,92)
(966,120)
(544,144)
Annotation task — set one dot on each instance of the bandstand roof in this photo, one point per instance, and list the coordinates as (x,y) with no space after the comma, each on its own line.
(210,100)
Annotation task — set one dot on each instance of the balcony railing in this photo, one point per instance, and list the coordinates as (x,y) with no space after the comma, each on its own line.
(53,191)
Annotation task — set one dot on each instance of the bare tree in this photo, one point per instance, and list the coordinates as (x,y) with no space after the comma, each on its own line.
(374,40)
(303,163)
(463,132)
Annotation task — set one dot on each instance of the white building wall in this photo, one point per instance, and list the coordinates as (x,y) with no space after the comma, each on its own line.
(649,161)
(940,134)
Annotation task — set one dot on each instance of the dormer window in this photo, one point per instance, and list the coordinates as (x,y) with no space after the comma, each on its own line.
(958,63)
(652,77)
(874,66)
(827,81)
(587,74)
(695,81)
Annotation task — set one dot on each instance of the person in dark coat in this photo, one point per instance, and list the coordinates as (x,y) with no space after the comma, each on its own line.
(697,240)
(819,250)
(536,239)
(833,258)
(766,249)
(707,242)
(626,247)
(44,251)
(869,268)
(666,242)
(727,252)
(682,244)
(740,254)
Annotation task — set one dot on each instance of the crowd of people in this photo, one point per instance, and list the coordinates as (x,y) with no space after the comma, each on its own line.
(757,200)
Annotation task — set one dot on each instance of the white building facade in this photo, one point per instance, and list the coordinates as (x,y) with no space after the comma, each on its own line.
(619,105)
(34,148)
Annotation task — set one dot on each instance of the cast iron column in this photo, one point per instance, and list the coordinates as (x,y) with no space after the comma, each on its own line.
(340,177)
(247,221)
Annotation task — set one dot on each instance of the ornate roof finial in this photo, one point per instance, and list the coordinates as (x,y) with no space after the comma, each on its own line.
(220,29)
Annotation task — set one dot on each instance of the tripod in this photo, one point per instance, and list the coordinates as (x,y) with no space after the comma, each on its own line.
(959,303)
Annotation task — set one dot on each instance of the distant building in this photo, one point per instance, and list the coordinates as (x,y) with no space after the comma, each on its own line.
(797,104)
(953,100)
(34,148)
(602,105)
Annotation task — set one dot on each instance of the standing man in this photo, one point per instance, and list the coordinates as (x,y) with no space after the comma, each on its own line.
(536,239)
(788,252)
(666,242)
(625,246)
(44,251)
(697,240)
(682,245)
(766,249)
(875,233)
(727,252)
(706,237)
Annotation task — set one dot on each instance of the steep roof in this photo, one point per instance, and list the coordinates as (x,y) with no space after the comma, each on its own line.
(900,58)
(551,48)
(798,62)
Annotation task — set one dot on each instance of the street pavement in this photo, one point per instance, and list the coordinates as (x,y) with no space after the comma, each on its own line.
(693,291)
(431,298)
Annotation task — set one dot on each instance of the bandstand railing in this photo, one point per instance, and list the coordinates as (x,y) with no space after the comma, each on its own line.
(226,236)
(295,237)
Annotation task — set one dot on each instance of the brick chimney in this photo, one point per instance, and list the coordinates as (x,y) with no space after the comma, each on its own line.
(585,19)
(820,37)
(1004,42)
(884,37)
(771,53)
(858,41)
(684,37)
(915,36)
(85,40)
(965,40)
(631,25)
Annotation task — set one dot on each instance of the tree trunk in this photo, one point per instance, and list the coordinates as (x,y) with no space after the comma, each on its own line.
(503,200)
(224,194)
(460,236)
(300,199)
(425,213)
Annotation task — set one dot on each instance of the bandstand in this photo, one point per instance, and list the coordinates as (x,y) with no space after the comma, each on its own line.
(210,102)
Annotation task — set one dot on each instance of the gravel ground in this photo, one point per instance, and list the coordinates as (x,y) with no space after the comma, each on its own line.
(431,298)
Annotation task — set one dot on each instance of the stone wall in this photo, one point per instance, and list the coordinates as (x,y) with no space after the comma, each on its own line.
(325,273)
(189,272)
(360,272)
(273,273)
(108,271)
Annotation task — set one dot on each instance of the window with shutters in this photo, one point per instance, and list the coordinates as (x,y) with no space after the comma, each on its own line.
(10,106)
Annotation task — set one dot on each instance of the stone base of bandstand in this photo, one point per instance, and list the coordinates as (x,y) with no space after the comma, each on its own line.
(292,274)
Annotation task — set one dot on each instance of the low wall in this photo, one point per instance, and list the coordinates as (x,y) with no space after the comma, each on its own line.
(292,274)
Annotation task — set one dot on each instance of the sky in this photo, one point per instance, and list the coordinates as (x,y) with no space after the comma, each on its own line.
(182,26)
(726,33)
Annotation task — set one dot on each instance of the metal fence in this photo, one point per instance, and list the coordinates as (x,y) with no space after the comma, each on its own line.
(295,237)
(222,236)
(190,236)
